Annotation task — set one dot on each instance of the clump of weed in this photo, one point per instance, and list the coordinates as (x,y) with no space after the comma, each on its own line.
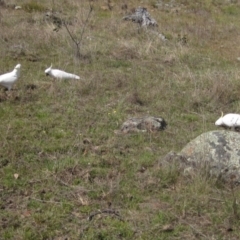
(230,10)
(33,7)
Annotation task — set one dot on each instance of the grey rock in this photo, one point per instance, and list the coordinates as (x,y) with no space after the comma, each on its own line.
(142,17)
(143,124)
(216,151)
(57,21)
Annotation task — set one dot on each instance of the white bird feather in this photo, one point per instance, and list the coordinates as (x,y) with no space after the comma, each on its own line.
(231,120)
(8,79)
(56,73)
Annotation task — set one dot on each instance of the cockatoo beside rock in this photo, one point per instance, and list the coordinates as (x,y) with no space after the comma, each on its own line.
(230,120)
(56,73)
(8,79)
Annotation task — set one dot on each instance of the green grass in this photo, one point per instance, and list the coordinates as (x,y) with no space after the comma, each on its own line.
(58,136)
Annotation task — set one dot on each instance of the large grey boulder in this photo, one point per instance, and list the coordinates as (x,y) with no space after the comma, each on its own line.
(216,151)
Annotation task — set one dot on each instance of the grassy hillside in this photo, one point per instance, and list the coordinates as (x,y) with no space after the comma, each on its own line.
(64,173)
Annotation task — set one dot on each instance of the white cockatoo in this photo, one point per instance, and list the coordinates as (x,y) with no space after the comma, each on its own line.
(230,120)
(56,73)
(8,79)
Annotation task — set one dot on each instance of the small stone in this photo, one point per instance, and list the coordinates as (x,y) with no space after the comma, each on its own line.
(143,124)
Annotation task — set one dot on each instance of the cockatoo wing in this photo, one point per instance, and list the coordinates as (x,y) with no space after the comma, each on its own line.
(63,75)
(7,80)
(231,120)
(6,77)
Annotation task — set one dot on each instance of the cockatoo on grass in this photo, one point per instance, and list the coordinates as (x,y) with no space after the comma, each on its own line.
(8,79)
(56,73)
(230,120)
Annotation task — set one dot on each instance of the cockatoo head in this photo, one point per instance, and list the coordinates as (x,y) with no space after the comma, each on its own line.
(17,69)
(18,66)
(219,122)
(47,71)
